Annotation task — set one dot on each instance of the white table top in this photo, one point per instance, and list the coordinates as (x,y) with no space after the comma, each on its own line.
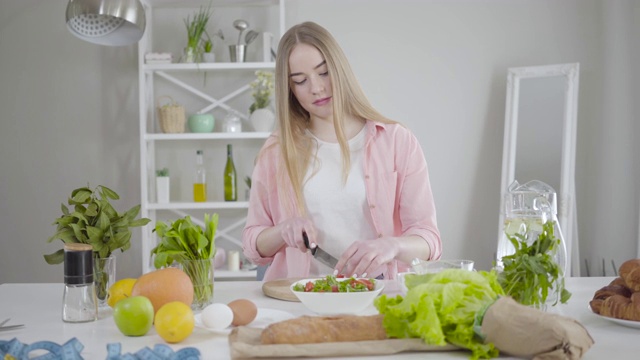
(38,307)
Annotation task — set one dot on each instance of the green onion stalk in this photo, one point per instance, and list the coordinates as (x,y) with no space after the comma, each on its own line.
(193,248)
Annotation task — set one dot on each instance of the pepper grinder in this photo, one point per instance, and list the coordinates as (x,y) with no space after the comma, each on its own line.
(79,302)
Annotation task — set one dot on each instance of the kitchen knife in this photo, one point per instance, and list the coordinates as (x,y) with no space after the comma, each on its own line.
(319,254)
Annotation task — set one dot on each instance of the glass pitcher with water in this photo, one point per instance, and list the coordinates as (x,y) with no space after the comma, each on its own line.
(531,208)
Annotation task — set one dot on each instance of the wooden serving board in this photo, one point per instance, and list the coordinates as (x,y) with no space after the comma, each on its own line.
(279,289)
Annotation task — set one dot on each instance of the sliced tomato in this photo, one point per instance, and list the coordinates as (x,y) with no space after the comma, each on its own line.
(334,288)
(368,283)
(308,286)
(340,276)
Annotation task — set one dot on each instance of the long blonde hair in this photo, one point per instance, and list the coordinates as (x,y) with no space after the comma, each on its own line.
(293,119)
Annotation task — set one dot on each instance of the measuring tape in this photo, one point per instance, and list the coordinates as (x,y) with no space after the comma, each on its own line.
(159,352)
(15,350)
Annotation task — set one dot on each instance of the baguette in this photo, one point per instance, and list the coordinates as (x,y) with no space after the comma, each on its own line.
(314,329)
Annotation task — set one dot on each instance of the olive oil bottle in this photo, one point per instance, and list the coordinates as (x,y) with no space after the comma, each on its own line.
(230,178)
(199,182)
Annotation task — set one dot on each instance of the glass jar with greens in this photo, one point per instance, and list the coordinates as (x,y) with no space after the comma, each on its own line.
(532,256)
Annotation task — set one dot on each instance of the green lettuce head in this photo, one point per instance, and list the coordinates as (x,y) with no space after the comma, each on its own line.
(442,308)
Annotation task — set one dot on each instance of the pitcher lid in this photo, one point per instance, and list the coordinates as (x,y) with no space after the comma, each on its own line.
(533,196)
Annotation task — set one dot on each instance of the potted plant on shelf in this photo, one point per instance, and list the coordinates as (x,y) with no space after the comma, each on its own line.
(262,118)
(196,27)
(162,185)
(184,243)
(93,220)
(207,46)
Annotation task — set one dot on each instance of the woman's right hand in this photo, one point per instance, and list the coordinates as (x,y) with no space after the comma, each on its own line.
(291,232)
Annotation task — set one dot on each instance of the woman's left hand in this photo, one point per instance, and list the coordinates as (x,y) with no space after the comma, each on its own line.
(363,257)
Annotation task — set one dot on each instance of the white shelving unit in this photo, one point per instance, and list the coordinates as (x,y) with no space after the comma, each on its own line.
(152,139)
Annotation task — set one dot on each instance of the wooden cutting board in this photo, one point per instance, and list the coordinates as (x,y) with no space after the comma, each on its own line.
(279,289)
(244,342)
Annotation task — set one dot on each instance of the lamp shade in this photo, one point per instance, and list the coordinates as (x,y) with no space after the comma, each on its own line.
(106,22)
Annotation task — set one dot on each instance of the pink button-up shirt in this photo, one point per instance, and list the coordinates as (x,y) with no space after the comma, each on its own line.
(398,193)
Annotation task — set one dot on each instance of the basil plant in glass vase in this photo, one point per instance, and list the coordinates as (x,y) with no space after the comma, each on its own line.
(262,88)
(90,218)
(188,246)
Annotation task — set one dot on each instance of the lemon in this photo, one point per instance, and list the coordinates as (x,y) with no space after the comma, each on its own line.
(174,321)
(121,289)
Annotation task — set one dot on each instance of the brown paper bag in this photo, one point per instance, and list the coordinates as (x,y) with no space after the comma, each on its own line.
(523,331)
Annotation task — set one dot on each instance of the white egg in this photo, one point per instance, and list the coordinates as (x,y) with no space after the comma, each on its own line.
(217,316)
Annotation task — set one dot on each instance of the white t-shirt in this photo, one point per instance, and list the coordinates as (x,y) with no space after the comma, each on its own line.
(339,211)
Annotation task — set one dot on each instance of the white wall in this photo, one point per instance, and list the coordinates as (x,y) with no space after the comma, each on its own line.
(68,112)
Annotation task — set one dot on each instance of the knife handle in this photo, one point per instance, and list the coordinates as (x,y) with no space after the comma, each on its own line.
(306,243)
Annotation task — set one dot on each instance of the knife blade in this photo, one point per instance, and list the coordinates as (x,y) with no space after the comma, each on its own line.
(319,254)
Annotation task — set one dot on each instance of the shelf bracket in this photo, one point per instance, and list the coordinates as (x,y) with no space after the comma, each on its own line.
(214,102)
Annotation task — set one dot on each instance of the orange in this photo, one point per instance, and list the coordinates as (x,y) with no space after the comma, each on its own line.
(121,289)
(174,321)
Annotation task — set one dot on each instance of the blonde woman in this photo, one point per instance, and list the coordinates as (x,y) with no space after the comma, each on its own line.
(355,182)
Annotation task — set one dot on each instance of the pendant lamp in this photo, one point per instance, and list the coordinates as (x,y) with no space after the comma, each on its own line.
(106,22)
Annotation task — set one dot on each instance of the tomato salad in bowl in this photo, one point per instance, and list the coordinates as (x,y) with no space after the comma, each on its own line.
(333,295)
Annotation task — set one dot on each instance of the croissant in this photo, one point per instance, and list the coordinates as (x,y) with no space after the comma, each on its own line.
(596,306)
(633,309)
(618,281)
(621,298)
(611,290)
(615,306)
(632,279)
(627,266)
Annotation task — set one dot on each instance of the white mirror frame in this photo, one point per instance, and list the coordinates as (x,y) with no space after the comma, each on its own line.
(567,216)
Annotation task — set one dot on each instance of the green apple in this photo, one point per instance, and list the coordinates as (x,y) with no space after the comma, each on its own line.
(134,315)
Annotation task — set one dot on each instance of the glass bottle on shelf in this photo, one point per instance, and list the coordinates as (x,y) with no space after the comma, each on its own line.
(230,178)
(232,123)
(199,182)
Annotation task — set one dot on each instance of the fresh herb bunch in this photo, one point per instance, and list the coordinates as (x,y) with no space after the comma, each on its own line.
(183,241)
(263,88)
(531,272)
(93,220)
(197,26)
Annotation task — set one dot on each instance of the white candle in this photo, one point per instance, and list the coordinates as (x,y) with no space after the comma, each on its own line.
(233,261)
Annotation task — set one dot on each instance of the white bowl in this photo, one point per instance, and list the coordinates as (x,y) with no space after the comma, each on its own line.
(401,282)
(337,303)
(435,266)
